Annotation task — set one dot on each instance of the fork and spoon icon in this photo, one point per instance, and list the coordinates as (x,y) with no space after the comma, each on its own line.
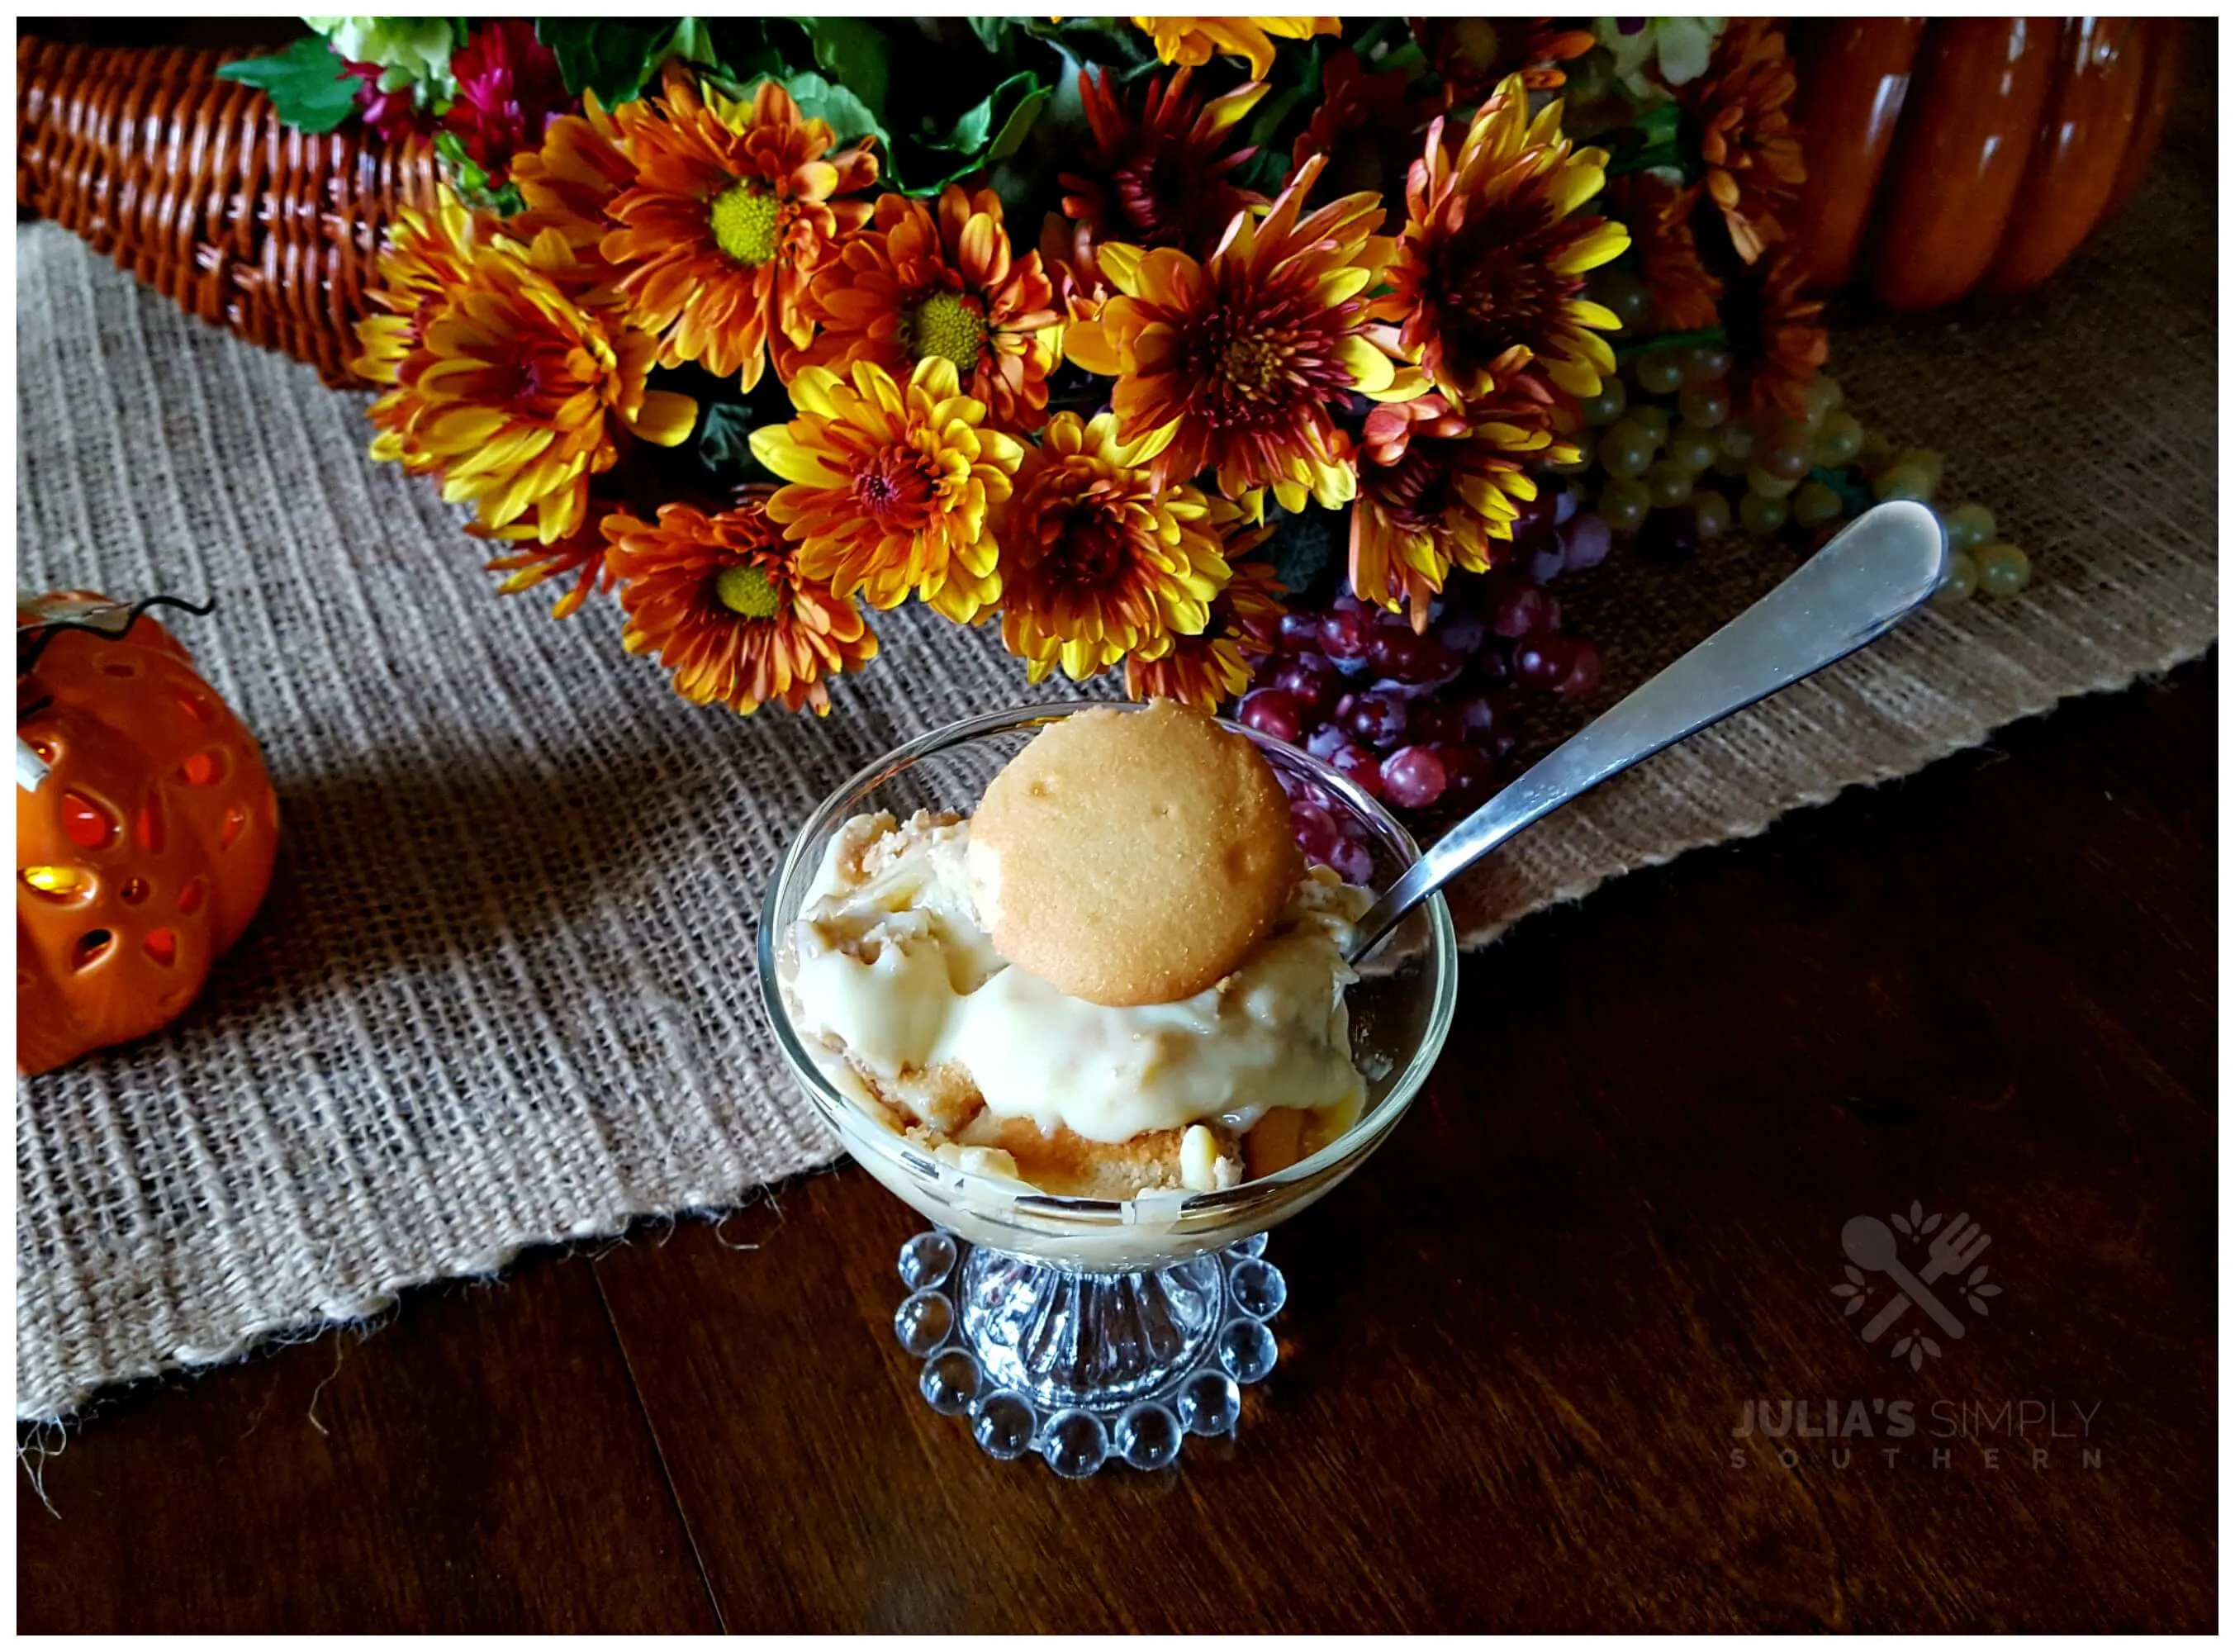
(1871,1244)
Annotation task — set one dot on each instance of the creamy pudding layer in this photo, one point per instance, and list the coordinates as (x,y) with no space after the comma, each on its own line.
(893,971)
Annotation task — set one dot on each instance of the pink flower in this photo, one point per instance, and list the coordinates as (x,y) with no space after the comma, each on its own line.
(509,90)
(395,115)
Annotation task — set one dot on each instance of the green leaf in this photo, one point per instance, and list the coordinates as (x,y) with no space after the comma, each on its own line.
(1369,41)
(1408,57)
(993,33)
(1630,349)
(724,442)
(1266,171)
(1111,41)
(1653,142)
(597,56)
(1276,108)
(1014,130)
(1004,117)
(1306,548)
(306,84)
(849,117)
(465,170)
(1661,154)
(1025,173)
(693,42)
(767,63)
(971,130)
(1659,125)
(616,60)
(472,182)
(854,52)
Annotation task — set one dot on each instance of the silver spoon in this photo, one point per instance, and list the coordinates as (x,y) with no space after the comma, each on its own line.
(1871,576)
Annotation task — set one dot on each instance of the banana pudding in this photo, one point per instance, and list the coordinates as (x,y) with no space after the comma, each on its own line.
(893,978)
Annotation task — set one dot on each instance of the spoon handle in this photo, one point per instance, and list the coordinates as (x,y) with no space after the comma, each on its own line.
(1876,571)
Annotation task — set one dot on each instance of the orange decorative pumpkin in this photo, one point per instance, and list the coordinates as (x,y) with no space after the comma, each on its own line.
(1970,154)
(145,849)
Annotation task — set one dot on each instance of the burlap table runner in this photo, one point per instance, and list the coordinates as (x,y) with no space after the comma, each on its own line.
(501,992)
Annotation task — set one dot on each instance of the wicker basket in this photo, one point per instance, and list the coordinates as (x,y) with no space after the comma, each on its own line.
(194,185)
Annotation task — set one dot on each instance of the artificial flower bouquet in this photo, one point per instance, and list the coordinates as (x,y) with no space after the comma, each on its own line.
(1283,359)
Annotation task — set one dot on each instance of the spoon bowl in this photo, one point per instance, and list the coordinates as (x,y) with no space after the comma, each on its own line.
(1869,1243)
(1872,575)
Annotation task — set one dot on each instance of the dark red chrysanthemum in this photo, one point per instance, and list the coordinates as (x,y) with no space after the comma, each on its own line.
(1157,176)
(1366,126)
(395,115)
(509,91)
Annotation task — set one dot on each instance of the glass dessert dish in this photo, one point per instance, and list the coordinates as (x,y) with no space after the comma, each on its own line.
(1090,1329)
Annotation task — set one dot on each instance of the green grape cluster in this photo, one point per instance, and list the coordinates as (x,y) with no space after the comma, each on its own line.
(1653,454)
(1662,436)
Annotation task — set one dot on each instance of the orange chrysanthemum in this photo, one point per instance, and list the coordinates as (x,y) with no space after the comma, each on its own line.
(1436,487)
(1488,284)
(1067,256)
(1751,148)
(1194,40)
(1659,218)
(734,208)
(567,182)
(1779,338)
(1216,664)
(1471,55)
(517,394)
(1231,365)
(1158,177)
(1365,124)
(721,602)
(1098,562)
(892,485)
(914,286)
(581,557)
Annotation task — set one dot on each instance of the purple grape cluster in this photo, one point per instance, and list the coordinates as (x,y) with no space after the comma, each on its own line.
(1426,720)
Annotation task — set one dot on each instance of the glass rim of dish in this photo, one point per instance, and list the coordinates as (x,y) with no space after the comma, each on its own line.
(1364,1131)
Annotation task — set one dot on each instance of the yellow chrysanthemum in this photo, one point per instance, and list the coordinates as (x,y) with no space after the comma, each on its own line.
(1231,363)
(1194,40)
(425,261)
(1098,562)
(1216,664)
(1437,485)
(1488,281)
(891,486)
(517,394)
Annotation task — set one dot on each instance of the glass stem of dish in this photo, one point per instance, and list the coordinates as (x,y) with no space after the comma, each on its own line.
(1858,587)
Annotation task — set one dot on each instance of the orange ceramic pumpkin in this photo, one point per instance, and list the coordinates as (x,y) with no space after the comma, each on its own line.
(145,850)
(1970,154)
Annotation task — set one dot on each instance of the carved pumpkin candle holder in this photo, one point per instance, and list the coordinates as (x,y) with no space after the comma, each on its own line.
(145,845)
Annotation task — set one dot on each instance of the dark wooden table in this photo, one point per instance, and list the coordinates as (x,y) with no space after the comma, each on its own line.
(1520,1345)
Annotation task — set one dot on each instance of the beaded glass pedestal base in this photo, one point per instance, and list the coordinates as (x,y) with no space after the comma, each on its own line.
(1087,1368)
